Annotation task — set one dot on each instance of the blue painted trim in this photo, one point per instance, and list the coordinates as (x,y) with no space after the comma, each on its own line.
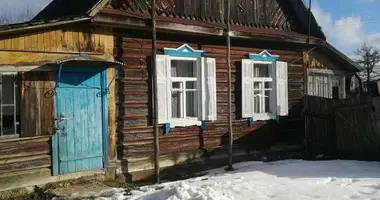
(183,54)
(54,138)
(203,125)
(55,159)
(184,51)
(105,118)
(251,121)
(166,128)
(263,56)
(277,119)
(259,58)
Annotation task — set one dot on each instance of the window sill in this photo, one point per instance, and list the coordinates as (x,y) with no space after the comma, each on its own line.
(263,117)
(7,137)
(184,123)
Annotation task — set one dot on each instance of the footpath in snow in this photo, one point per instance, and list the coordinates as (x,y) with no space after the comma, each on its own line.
(291,179)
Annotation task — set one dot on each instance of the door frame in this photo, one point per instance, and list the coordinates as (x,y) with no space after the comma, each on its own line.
(104,110)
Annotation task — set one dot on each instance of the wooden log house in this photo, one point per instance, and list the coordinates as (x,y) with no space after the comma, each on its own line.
(77,95)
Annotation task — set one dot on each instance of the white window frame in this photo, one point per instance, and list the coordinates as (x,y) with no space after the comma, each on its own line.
(278,98)
(272,107)
(328,73)
(187,121)
(14,104)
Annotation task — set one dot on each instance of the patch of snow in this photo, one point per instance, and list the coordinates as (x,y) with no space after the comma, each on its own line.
(290,179)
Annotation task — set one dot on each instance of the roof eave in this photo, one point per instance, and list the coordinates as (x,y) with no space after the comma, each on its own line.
(43,25)
(350,63)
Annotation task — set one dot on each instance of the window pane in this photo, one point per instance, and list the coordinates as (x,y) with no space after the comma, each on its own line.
(257,85)
(191,104)
(257,101)
(8,120)
(176,85)
(268,85)
(181,68)
(176,105)
(191,85)
(8,90)
(261,70)
(267,101)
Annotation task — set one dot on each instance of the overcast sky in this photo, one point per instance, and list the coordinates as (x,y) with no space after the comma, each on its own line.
(346,23)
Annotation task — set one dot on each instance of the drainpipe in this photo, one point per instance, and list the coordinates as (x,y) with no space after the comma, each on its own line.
(155,97)
(230,133)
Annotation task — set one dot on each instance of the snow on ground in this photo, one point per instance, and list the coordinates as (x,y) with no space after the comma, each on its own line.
(291,179)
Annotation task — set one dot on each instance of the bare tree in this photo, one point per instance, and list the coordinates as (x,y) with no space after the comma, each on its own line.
(369,58)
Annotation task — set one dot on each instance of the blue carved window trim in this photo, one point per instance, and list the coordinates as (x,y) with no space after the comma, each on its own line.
(263,56)
(184,51)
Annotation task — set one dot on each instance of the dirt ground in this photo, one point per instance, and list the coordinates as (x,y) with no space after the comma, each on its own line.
(66,190)
(72,190)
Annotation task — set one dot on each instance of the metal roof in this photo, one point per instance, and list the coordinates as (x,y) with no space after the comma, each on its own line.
(67,8)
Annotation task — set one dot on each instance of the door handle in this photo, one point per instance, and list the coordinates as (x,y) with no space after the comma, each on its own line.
(61,118)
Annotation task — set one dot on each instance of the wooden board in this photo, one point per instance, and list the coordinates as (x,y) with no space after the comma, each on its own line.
(37,104)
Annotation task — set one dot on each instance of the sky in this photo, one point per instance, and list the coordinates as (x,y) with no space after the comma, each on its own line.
(346,23)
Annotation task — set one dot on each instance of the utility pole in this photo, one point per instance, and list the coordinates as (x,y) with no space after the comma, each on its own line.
(309,28)
(230,133)
(155,97)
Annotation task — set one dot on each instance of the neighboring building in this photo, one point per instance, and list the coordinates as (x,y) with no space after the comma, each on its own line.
(71,111)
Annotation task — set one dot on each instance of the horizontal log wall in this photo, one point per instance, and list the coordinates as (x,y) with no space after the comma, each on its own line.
(17,155)
(135,106)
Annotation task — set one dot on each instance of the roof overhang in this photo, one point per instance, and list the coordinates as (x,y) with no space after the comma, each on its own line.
(83,58)
(34,25)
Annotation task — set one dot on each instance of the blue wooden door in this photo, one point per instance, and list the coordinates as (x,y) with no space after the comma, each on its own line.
(79,120)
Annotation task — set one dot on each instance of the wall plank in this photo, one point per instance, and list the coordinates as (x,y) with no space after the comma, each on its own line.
(37,104)
(23,154)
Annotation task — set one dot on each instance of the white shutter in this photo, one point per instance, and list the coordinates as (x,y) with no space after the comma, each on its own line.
(342,83)
(247,87)
(282,88)
(208,88)
(163,88)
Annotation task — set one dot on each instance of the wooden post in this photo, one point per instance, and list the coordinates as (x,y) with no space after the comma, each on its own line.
(155,97)
(309,26)
(306,65)
(230,133)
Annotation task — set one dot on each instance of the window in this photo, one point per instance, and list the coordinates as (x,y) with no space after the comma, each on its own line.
(321,83)
(264,89)
(186,89)
(9,104)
